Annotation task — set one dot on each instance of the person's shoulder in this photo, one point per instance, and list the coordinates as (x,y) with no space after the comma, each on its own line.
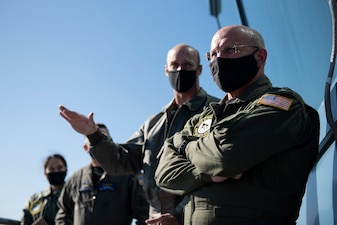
(153,119)
(74,181)
(40,194)
(212,98)
(280,97)
(79,172)
(35,196)
(154,116)
(283,90)
(36,199)
(287,93)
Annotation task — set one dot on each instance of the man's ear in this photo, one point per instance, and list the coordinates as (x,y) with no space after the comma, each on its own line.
(199,70)
(261,57)
(86,148)
(166,70)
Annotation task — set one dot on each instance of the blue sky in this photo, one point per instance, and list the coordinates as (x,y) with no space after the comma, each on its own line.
(108,57)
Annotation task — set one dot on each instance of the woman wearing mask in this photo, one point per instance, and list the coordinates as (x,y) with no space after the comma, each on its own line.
(41,207)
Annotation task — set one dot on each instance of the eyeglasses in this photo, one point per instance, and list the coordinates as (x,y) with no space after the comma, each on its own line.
(229,51)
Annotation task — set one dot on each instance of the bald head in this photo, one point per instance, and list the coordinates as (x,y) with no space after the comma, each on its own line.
(237,34)
(185,52)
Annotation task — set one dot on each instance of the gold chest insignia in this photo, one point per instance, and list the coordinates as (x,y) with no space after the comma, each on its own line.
(201,129)
(36,207)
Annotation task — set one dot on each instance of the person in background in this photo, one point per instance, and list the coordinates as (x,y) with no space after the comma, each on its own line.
(245,160)
(41,207)
(91,196)
(183,69)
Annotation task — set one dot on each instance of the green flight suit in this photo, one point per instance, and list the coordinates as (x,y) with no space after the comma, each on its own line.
(111,200)
(268,134)
(42,204)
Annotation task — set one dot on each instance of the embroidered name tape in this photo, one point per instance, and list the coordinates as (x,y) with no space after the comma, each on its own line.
(276,101)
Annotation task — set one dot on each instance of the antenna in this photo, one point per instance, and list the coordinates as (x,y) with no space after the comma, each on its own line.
(242,13)
(215,9)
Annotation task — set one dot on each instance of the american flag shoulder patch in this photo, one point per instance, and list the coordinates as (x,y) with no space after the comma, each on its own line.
(276,101)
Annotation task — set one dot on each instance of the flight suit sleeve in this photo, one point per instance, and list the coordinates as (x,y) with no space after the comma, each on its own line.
(117,159)
(236,145)
(64,216)
(27,218)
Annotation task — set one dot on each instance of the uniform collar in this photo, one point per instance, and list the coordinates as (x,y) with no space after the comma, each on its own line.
(193,104)
(258,88)
(48,191)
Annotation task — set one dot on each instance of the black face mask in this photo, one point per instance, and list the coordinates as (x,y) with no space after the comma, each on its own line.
(56,178)
(182,80)
(232,74)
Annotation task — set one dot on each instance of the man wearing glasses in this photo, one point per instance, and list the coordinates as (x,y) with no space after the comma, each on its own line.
(245,160)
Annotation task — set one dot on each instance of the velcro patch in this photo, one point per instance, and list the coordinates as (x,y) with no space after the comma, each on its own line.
(276,101)
(36,207)
(202,128)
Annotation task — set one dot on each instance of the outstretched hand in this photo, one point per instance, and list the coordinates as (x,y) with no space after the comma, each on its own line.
(80,123)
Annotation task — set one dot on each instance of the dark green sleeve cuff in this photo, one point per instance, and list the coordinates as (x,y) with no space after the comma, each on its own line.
(96,137)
